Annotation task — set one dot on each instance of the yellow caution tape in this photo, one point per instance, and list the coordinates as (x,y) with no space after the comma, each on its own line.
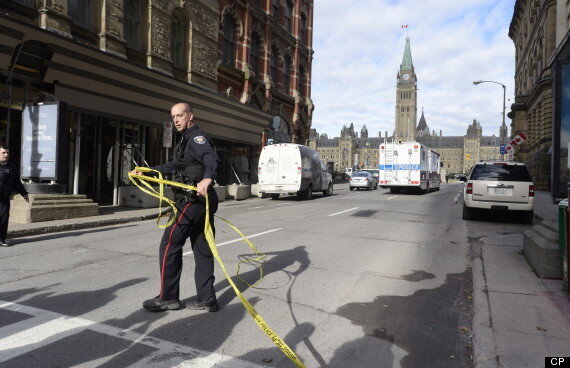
(142,183)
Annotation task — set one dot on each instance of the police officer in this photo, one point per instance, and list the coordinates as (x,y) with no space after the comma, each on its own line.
(9,182)
(194,162)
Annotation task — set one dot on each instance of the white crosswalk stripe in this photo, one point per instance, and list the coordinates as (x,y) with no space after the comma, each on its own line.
(46,327)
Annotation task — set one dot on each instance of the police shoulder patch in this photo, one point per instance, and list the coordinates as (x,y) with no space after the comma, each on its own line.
(200,139)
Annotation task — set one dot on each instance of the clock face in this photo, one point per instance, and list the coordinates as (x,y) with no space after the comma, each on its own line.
(406,76)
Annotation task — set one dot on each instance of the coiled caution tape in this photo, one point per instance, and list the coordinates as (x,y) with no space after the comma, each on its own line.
(142,182)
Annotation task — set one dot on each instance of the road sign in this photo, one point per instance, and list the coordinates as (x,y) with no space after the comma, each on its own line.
(503,149)
(167,135)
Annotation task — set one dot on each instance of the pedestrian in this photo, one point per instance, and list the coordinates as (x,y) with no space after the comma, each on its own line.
(194,162)
(9,182)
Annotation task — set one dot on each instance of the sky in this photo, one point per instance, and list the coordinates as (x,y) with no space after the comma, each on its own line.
(359,47)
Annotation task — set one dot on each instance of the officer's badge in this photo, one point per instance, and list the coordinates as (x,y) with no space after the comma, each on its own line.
(200,139)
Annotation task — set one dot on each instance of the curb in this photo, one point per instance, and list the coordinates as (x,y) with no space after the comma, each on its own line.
(484,346)
(47,229)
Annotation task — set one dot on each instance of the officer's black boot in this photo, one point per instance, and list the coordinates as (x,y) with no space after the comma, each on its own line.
(211,305)
(156,304)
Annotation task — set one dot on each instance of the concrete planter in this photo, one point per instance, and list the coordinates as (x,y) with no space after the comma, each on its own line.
(256,190)
(238,192)
(131,196)
(221,192)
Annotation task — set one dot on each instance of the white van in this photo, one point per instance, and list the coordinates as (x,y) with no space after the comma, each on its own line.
(288,168)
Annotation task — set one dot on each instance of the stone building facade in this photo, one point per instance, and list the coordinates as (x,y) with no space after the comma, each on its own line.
(269,64)
(533,31)
(244,66)
(458,153)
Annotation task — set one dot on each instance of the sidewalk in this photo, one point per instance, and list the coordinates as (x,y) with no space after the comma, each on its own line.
(108,215)
(518,318)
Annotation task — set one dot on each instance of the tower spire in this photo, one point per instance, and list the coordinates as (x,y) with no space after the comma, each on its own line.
(407,63)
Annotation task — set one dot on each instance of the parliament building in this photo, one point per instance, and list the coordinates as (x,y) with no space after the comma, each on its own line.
(458,153)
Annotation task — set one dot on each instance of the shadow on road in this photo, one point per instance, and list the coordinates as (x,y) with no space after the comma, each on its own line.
(431,325)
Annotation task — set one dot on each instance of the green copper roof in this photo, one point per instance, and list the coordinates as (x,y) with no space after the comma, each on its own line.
(407,60)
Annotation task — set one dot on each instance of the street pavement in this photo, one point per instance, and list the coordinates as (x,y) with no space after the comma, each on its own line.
(358,279)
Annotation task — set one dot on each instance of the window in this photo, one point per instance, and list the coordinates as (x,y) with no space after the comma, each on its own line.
(301,81)
(275,7)
(27,2)
(273,65)
(303,29)
(80,12)
(254,52)
(289,16)
(229,45)
(132,23)
(177,42)
(286,74)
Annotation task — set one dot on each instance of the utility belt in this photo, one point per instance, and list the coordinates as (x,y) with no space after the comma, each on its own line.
(187,194)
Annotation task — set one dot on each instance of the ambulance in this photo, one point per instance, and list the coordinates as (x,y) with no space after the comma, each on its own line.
(408,165)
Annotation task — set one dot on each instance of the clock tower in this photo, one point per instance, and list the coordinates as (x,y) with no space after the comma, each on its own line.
(406,98)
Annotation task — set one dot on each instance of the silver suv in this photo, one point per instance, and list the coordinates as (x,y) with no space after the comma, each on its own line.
(499,186)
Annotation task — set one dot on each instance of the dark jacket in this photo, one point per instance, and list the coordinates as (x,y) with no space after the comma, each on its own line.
(195,147)
(10,181)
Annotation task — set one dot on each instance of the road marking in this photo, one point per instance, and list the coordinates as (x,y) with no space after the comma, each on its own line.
(338,213)
(240,239)
(458,195)
(393,197)
(80,251)
(271,205)
(45,327)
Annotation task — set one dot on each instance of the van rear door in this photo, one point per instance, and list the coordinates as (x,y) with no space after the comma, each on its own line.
(289,163)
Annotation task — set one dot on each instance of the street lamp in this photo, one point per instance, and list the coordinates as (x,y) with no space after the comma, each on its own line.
(504,100)
(504,95)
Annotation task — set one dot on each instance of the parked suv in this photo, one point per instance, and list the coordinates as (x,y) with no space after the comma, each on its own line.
(499,186)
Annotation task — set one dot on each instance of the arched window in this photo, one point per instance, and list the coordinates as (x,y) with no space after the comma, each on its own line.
(177,42)
(80,11)
(273,66)
(289,16)
(287,74)
(254,53)
(229,40)
(132,24)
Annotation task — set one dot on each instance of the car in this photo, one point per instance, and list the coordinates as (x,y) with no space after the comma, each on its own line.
(362,179)
(499,186)
(374,172)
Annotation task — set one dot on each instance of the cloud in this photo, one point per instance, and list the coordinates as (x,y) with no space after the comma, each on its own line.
(359,48)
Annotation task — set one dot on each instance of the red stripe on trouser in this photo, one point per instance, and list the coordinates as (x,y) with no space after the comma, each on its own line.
(166,250)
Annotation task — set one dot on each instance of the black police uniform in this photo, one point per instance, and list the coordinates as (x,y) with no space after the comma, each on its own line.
(194,158)
(9,182)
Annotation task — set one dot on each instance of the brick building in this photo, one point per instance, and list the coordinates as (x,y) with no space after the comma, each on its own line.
(244,66)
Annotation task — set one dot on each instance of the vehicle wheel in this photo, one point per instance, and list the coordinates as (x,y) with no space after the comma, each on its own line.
(467,213)
(329,190)
(394,190)
(275,196)
(309,193)
(528,217)
(305,194)
(351,188)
